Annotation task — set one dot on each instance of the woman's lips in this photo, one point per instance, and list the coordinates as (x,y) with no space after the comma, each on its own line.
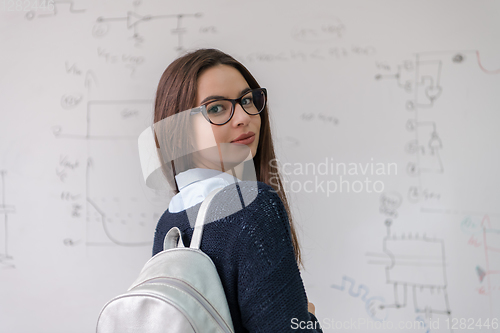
(246,141)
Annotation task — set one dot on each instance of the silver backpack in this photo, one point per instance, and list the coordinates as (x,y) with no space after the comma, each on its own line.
(178,290)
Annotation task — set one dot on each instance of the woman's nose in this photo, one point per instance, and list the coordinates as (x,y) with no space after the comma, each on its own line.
(240,116)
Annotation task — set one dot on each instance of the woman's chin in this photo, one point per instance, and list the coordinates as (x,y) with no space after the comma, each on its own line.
(234,152)
(229,155)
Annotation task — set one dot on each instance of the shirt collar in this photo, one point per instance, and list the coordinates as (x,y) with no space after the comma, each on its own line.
(194,175)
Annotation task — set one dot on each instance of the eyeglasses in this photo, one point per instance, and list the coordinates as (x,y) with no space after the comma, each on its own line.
(220,111)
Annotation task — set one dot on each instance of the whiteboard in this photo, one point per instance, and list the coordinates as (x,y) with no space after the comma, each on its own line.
(385,118)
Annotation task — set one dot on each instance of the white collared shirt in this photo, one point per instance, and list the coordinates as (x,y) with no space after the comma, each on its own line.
(195,184)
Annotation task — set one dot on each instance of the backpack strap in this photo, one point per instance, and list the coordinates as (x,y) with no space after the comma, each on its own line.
(173,239)
(200,220)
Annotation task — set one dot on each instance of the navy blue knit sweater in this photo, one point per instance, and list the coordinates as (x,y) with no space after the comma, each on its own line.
(253,252)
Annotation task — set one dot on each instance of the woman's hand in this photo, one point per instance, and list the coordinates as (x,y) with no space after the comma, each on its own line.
(311,308)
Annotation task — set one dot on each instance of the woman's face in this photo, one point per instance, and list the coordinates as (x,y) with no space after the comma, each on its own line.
(227,82)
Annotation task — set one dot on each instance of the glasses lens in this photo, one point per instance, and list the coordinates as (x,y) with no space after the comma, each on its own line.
(254,102)
(219,111)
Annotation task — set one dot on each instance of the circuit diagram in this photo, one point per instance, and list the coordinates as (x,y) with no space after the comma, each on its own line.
(415,267)
(421,78)
(133,20)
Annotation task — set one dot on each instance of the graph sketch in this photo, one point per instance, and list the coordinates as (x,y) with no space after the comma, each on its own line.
(50,9)
(115,214)
(491,272)
(6,259)
(485,238)
(373,304)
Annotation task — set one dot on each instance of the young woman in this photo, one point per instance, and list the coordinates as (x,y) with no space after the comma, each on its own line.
(212,130)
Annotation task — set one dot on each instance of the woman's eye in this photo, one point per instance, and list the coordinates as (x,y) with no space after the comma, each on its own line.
(247,100)
(215,109)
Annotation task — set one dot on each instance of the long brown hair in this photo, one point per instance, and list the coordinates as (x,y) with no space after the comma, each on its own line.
(177,92)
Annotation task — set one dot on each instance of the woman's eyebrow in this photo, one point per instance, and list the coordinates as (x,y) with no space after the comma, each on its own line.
(217,97)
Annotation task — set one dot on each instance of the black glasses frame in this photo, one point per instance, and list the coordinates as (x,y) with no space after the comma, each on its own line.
(202,108)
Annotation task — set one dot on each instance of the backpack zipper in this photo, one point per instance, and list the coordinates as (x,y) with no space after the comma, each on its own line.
(196,295)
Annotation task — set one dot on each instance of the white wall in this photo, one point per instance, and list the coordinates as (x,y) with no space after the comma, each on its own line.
(410,84)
